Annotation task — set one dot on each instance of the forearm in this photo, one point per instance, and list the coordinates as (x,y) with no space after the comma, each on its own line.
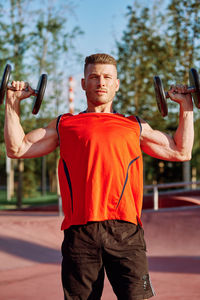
(13,131)
(184,135)
(37,142)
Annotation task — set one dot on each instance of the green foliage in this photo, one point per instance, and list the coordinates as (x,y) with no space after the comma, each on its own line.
(34,41)
(140,56)
(1,126)
(184,30)
(164,43)
(31,202)
(30,181)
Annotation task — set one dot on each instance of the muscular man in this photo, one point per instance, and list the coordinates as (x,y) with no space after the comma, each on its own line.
(101,180)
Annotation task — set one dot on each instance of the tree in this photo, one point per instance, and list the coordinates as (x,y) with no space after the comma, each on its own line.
(184,30)
(141,54)
(50,41)
(32,48)
(16,42)
(156,44)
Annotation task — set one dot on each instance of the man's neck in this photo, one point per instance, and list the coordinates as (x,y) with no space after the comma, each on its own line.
(100,109)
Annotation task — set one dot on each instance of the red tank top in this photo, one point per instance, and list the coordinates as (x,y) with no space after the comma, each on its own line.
(100,168)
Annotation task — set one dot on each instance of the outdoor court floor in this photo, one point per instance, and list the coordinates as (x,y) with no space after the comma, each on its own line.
(30,255)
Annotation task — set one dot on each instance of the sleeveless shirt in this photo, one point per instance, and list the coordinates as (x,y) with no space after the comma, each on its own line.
(100,168)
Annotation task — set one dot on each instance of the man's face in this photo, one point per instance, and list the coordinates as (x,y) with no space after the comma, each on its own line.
(100,83)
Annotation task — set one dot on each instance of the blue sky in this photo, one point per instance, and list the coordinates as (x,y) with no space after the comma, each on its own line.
(102,22)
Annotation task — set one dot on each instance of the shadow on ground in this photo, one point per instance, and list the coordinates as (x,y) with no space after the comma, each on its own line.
(175,264)
(29,250)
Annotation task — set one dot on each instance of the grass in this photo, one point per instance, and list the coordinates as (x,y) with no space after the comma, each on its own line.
(47,199)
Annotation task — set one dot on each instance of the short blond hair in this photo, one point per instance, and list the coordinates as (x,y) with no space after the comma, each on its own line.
(100,58)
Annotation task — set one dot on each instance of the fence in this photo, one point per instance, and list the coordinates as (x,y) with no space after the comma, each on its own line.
(157,187)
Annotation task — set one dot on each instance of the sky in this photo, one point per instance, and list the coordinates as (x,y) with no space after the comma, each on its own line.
(102,22)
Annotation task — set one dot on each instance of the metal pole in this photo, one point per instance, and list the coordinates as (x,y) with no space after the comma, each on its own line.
(71,95)
(155,197)
(8,171)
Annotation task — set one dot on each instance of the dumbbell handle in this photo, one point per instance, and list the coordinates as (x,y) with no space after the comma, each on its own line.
(10,87)
(190,89)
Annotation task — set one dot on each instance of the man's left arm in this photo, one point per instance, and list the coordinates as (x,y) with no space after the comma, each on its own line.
(179,147)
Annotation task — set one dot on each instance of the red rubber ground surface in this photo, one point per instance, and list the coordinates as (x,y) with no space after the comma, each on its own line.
(30,255)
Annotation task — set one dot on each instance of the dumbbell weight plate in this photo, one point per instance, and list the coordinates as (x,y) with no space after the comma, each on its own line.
(194,82)
(160,96)
(4,82)
(40,93)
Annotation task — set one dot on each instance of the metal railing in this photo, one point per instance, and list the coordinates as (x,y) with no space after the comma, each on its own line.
(157,187)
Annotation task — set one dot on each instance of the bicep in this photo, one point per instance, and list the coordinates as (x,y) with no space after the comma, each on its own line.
(39,142)
(157,144)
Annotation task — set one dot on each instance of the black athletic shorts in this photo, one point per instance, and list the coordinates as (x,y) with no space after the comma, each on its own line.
(115,246)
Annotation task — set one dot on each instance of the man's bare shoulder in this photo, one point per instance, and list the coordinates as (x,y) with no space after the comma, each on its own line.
(52,124)
(145,127)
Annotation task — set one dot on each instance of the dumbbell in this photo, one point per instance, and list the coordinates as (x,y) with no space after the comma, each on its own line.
(161,95)
(38,93)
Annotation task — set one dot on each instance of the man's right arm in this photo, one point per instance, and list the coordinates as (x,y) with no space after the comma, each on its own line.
(36,143)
